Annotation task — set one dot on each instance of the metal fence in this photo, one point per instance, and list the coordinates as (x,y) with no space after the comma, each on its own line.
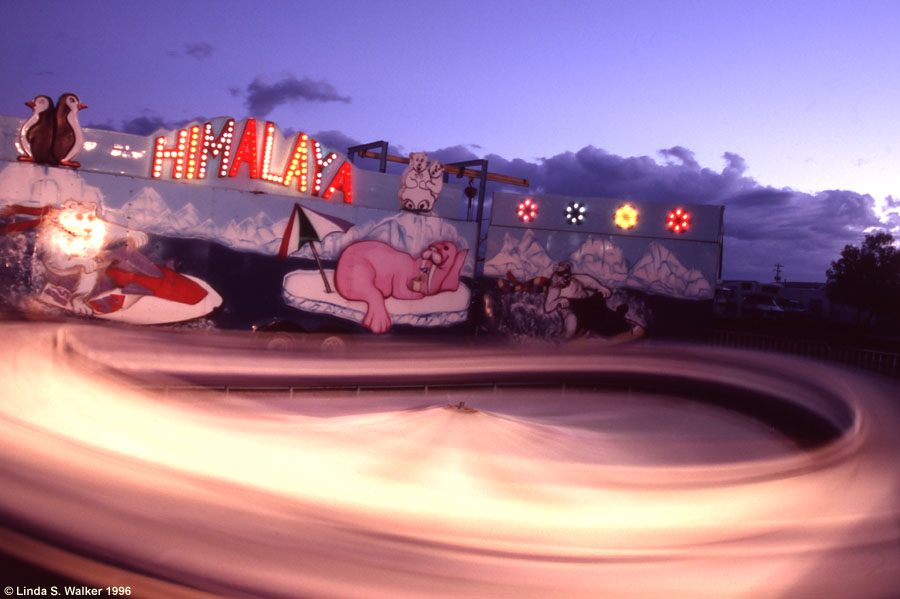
(886,363)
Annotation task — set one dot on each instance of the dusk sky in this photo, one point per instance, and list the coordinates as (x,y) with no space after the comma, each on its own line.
(784,112)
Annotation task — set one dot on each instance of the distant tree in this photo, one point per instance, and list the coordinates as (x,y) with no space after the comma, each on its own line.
(868,277)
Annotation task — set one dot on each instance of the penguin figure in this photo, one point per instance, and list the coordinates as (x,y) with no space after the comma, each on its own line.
(36,134)
(68,139)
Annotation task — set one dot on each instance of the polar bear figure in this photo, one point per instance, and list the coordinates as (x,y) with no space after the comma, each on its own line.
(421,183)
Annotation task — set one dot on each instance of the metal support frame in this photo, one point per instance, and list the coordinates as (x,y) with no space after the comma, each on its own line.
(482,186)
(720,238)
(382,156)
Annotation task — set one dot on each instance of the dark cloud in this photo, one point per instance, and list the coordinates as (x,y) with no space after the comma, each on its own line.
(847,207)
(595,172)
(199,51)
(736,164)
(106,125)
(453,154)
(683,154)
(336,140)
(144,125)
(763,197)
(263,97)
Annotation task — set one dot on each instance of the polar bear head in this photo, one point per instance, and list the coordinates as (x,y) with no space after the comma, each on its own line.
(435,169)
(74,229)
(418,161)
(79,218)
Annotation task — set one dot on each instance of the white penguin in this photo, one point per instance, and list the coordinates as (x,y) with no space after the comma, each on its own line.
(36,134)
(68,139)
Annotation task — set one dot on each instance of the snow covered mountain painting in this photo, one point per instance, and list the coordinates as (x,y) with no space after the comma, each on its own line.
(524,258)
(602,259)
(657,271)
(150,212)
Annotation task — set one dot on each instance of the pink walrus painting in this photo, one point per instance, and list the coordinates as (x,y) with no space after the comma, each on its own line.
(372,271)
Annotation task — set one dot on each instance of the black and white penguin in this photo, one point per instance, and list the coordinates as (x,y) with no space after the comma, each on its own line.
(68,139)
(36,134)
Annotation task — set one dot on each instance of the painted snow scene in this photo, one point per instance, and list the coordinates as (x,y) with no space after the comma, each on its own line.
(568,284)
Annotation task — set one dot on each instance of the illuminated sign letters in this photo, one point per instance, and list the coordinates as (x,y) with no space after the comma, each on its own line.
(196,146)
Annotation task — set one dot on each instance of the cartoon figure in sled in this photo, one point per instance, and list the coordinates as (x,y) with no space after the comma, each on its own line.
(92,268)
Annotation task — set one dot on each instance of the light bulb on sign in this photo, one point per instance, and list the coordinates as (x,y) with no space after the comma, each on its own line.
(626,217)
(678,221)
(575,213)
(527,210)
(342,181)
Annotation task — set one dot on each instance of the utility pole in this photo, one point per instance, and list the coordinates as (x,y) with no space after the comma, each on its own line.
(778,268)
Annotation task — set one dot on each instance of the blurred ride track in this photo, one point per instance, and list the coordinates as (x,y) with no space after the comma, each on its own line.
(423,470)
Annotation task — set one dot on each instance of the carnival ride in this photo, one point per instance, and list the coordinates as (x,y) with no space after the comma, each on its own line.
(190,465)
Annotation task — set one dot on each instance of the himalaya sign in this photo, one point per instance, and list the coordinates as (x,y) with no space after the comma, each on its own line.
(191,153)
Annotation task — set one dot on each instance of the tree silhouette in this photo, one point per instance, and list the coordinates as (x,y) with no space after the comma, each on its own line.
(867,277)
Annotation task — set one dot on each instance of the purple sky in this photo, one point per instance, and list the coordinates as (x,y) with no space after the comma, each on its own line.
(784,112)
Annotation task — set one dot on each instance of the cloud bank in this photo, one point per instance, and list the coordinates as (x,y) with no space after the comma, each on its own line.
(145,124)
(263,97)
(198,51)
